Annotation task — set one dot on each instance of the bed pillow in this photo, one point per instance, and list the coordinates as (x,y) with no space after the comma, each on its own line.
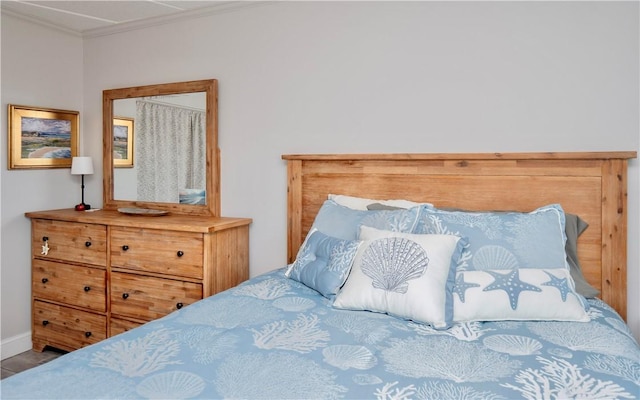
(517,294)
(503,240)
(362,203)
(574,226)
(323,263)
(344,223)
(405,275)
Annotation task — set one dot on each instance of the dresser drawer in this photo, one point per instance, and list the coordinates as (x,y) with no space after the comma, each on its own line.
(165,252)
(69,241)
(71,284)
(148,298)
(66,328)
(117,326)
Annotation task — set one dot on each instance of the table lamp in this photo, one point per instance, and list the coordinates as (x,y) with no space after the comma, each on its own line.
(82,166)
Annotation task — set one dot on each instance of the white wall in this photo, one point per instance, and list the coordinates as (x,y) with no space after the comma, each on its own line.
(40,68)
(317,77)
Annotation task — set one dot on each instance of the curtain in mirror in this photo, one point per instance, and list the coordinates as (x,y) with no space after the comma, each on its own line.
(171,147)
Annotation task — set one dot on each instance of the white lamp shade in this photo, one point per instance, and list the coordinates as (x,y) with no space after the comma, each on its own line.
(81,166)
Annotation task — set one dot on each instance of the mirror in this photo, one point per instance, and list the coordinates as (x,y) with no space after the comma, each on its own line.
(160,148)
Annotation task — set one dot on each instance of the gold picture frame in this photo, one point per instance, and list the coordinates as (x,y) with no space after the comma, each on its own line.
(122,142)
(41,137)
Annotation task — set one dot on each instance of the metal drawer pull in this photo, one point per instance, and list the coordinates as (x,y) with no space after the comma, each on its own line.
(125,295)
(87,244)
(87,334)
(125,248)
(45,323)
(179,306)
(180,253)
(87,288)
(45,280)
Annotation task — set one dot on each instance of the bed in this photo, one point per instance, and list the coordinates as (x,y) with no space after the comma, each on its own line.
(462,321)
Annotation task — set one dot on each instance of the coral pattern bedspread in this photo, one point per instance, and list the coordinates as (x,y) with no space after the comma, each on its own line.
(272,337)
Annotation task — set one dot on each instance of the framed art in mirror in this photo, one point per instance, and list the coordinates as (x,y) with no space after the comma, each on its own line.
(175,146)
(41,137)
(123,142)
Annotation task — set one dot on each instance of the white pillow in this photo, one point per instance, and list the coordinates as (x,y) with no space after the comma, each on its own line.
(517,294)
(361,203)
(404,275)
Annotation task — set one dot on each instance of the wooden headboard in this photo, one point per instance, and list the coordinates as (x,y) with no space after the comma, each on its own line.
(592,185)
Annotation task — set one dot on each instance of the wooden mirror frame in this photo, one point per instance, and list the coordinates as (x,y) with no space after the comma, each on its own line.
(212,196)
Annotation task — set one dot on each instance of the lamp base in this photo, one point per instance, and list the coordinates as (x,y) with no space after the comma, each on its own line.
(83,207)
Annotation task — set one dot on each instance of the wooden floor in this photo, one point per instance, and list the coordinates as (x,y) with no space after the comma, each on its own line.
(28,359)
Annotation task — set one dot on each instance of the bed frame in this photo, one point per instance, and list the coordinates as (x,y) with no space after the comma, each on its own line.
(592,185)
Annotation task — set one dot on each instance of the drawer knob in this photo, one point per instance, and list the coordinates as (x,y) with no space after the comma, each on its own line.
(45,323)
(87,244)
(125,248)
(180,253)
(125,295)
(87,288)
(45,280)
(87,334)
(45,246)
(179,306)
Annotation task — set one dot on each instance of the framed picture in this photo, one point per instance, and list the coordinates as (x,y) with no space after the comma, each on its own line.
(122,142)
(42,137)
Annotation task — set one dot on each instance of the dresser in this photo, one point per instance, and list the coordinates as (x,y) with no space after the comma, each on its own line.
(99,273)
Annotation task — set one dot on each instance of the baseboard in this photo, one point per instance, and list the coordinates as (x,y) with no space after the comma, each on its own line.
(15,345)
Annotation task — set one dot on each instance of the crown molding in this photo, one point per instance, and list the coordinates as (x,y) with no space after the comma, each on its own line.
(219,8)
(41,22)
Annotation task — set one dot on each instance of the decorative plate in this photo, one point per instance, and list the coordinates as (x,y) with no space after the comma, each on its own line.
(142,211)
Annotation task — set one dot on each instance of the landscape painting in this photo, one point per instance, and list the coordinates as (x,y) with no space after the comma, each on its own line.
(123,142)
(42,137)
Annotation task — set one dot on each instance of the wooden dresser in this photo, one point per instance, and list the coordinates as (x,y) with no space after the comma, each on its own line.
(96,274)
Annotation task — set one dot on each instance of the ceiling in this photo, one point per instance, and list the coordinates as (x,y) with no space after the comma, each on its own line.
(86,16)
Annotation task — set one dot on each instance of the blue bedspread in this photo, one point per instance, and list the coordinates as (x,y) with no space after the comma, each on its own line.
(273,338)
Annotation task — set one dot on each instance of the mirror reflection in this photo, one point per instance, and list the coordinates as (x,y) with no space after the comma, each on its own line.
(159,148)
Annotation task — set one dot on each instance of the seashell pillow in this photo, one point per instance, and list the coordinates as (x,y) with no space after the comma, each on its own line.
(574,226)
(503,240)
(344,223)
(517,294)
(323,262)
(405,275)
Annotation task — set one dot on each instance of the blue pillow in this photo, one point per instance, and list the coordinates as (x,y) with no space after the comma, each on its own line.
(323,263)
(503,240)
(344,223)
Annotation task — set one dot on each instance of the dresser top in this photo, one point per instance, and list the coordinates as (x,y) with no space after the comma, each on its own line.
(175,222)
